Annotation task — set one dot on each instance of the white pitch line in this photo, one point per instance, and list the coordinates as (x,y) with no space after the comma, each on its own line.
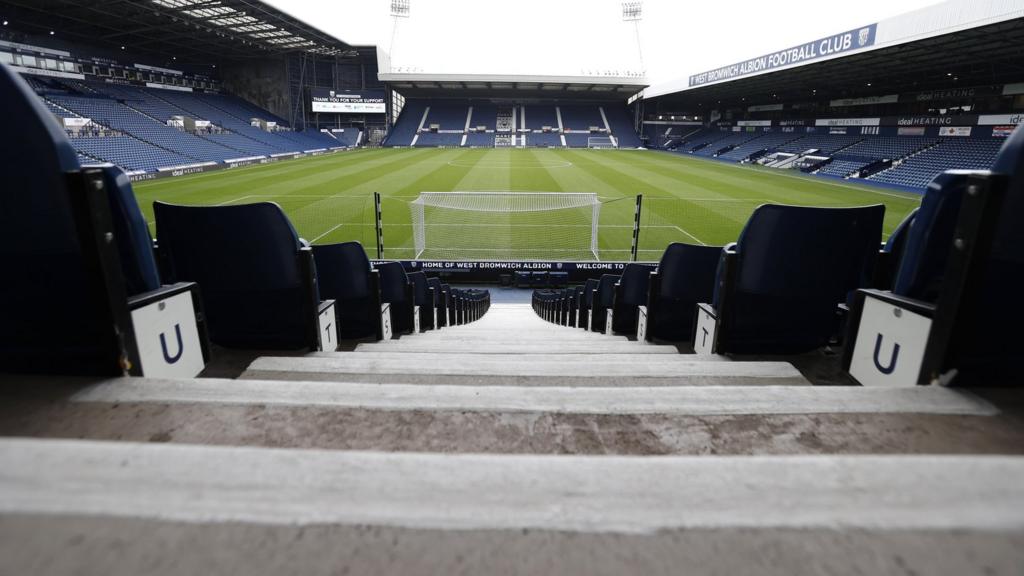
(700,242)
(333,228)
(226,202)
(217,485)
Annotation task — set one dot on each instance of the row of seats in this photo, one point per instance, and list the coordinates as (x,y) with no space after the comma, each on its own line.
(142,113)
(252,282)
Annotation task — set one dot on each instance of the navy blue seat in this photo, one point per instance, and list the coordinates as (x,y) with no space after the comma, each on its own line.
(892,251)
(395,289)
(135,245)
(423,297)
(604,298)
(962,268)
(257,281)
(685,277)
(449,304)
(778,288)
(54,319)
(630,294)
(440,301)
(586,302)
(345,275)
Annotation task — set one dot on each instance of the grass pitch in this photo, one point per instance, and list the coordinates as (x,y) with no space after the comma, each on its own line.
(330,198)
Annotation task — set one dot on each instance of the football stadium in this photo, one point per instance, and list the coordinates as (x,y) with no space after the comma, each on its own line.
(575,287)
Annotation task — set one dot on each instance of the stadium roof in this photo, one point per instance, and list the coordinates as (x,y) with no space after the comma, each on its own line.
(470,85)
(957,43)
(188,29)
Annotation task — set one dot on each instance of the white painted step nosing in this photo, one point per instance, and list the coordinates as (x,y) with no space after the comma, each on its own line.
(604,494)
(603,366)
(679,400)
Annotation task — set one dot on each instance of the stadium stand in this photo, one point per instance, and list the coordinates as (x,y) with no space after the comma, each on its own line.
(630,294)
(961,153)
(397,290)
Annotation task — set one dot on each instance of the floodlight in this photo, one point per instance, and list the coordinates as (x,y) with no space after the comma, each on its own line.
(632,11)
(400,8)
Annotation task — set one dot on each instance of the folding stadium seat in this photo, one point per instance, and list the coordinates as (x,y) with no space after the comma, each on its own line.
(630,294)
(779,288)
(396,290)
(954,313)
(574,306)
(73,301)
(889,258)
(346,276)
(440,302)
(604,297)
(423,300)
(258,281)
(586,302)
(449,304)
(685,277)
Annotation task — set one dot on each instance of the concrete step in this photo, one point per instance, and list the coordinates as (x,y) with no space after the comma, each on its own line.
(538,369)
(509,419)
(474,346)
(123,508)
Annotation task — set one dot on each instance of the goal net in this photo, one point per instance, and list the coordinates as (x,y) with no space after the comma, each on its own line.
(601,142)
(506,225)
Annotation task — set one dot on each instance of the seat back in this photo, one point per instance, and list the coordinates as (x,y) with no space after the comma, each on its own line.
(49,304)
(793,265)
(686,277)
(345,275)
(134,243)
(606,291)
(420,288)
(588,292)
(435,283)
(245,259)
(929,237)
(393,282)
(634,282)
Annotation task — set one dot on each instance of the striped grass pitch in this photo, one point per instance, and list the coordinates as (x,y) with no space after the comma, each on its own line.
(330,198)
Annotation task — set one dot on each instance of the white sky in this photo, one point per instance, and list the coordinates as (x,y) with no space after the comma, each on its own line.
(574,37)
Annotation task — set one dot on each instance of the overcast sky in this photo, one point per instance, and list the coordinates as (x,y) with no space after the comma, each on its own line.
(572,37)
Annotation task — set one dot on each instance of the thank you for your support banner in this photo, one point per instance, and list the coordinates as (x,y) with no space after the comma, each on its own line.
(347,101)
(822,48)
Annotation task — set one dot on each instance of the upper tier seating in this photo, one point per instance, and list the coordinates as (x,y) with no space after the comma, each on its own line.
(778,287)
(485,115)
(766,142)
(575,117)
(954,153)
(258,282)
(825,144)
(447,116)
(621,126)
(538,116)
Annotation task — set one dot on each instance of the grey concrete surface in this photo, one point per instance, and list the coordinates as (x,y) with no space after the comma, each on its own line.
(665,400)
(105,546)
(603,495)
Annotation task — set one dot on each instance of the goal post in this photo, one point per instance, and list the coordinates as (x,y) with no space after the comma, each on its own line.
(506,225)
(601,142)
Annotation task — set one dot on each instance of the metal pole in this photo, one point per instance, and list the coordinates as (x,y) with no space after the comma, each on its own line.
(379,225)
(636,227)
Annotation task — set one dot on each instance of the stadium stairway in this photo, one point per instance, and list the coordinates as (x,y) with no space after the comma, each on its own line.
(506,446)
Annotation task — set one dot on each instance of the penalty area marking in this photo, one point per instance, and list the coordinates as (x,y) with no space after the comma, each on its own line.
(466,164)
(332,229)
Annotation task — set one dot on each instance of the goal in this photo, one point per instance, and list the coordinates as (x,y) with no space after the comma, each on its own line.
(506,225)
(601,142)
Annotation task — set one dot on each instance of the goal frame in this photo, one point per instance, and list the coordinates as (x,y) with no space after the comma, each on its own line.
(420,226)
(607,143)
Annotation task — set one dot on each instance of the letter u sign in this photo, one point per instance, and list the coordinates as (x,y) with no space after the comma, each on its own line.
(180,347)
(890,366)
